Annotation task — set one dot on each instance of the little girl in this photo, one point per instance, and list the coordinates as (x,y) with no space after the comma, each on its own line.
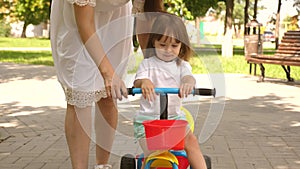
(166,65)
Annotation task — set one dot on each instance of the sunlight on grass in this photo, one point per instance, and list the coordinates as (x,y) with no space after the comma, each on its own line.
(24,42)
(27,57)
(237,64)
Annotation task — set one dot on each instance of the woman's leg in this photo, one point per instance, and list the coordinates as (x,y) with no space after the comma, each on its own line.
(143,145)
(77,128)
(106,119)
(193,151)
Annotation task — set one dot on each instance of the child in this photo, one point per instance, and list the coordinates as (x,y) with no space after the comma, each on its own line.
(166,65)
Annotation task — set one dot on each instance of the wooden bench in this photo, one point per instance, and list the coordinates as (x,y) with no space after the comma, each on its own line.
(287,54)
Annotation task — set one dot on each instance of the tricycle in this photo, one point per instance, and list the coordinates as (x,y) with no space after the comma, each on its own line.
(165,136)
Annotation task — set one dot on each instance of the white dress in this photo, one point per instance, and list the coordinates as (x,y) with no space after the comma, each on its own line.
(76,70)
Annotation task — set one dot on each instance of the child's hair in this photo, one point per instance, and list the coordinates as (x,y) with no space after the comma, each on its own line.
(173,27)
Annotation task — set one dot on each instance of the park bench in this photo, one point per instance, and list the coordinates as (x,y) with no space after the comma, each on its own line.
(287,54)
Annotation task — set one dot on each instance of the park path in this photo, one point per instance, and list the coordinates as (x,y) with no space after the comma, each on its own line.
(259,129)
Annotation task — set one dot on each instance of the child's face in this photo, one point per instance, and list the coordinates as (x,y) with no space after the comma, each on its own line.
(167,49)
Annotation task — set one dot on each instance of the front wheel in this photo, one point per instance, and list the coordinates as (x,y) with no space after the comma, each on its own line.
(128,162)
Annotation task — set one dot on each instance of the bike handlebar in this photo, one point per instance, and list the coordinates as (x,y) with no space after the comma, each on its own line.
(196,91)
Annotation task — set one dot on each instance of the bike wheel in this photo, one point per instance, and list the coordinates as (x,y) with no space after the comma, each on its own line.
(128,162)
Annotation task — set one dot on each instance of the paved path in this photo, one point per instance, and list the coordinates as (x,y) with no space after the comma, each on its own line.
(259,129)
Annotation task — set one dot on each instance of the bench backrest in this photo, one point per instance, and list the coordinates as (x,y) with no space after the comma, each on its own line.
(290,45)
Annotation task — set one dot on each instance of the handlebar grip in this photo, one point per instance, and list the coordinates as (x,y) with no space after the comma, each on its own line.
(205,92)
(130,91)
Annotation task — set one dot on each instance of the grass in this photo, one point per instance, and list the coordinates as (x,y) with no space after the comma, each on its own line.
(204,62)
(237,64)
(35,57)
(27,57)
(8,42)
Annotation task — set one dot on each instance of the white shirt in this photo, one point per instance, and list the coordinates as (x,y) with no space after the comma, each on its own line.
(164,75)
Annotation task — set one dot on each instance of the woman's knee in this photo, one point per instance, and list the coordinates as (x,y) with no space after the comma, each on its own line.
(107,102)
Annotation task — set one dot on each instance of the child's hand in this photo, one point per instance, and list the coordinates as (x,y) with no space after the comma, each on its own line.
(148,90)
(185,89)
(187,86)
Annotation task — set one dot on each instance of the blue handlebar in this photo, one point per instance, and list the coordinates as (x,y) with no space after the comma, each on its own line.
(196,91)
(158,90)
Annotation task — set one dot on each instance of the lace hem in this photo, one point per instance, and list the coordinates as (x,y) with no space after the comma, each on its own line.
(83,99)
(83,2)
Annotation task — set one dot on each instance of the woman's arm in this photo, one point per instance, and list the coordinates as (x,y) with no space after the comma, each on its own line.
(84,16)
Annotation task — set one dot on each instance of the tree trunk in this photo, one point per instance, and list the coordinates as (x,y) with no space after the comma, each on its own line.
(23,35)
(255,29)
(255,9)
(197,22)
(277,25)
(227,45)
(246,16)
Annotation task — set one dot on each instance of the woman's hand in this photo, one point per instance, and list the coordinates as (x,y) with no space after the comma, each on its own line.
(114,86)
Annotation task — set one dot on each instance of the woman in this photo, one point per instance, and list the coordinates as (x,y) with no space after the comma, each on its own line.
(90,55)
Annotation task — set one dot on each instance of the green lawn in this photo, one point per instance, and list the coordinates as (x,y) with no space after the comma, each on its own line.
(204,62)
(24,42)
(27,57)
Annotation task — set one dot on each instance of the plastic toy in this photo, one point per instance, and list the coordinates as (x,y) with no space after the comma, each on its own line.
(169,134)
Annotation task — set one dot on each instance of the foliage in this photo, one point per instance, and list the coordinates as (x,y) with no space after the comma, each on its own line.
(32,12)
(178,8)
(238,12)
(4,29)
(200,7)
(292,22)
(5,6)
(297,5)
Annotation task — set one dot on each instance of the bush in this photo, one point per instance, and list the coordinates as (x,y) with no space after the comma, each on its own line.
(4,29)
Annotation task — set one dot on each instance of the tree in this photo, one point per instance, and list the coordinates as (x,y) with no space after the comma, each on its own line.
(5,7)
(198,9)
(238,15)
(178,8)
(255,9)
(227,46)
(246,15)
(32,12)
(297,5)
(277,24)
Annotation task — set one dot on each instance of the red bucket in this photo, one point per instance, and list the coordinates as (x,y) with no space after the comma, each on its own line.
(165,134)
